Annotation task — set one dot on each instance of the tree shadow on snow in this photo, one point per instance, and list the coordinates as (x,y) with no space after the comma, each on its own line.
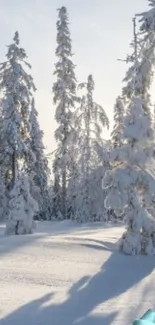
(117,275)
(51,229)
(43,230)
(94,243)
(8,244)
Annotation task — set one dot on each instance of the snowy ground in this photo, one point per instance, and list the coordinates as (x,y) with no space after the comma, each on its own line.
(66,274)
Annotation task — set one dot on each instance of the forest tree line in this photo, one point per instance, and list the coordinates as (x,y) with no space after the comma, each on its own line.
(91,179)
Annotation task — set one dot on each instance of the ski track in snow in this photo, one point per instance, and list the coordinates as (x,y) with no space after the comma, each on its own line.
(67,274)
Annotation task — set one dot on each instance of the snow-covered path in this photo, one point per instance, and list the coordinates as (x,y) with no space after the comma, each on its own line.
(67,274)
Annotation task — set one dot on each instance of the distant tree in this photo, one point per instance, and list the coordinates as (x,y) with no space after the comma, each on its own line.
(90,120)
(39,166)
(119,111)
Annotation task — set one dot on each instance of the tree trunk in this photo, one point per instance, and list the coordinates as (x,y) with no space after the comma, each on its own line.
(13,168)
(87,126)
(16,228)
(64,194)
(57,198)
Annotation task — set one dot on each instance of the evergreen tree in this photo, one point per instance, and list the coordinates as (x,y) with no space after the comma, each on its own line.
(39,166)
(64,90)
(116,134)
(132,187)
(90,120)
(15,86)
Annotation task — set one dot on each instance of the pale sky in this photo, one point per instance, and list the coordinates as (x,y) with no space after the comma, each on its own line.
(101,31)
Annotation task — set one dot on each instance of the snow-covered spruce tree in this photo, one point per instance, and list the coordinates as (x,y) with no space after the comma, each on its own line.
(132,187)
(116,135)
(64,90)
(15,86)
(90,120)
(39,166)
(22,208)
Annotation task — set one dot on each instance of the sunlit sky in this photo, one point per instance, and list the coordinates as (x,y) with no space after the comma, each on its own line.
(101,31)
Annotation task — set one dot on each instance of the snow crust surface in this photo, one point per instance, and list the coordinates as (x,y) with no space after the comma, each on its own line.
(67,274)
